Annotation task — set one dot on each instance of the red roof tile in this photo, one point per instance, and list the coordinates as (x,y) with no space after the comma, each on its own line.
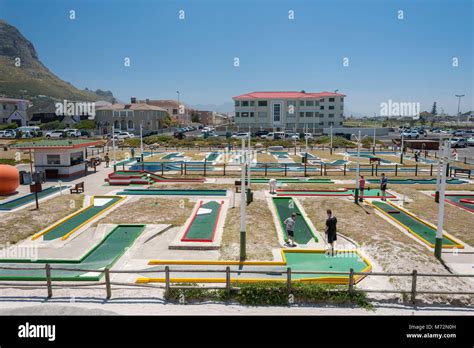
(286,95)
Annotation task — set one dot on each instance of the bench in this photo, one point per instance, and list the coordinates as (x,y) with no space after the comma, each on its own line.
(374,159)
(78,188)
(462,171)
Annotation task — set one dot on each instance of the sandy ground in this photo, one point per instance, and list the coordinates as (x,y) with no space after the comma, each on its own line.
(261,232)
(388,246)
(18,225)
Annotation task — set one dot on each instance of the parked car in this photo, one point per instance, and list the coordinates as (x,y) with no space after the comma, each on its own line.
(5,134)
(410,134)
(72,132)
(470,142)
(56,134)
(12,132)
(259,134)
(124,135)
(457,133)
(241,135)
(179,135)
(458,142)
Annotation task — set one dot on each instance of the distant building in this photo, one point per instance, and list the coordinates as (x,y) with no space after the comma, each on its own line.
(172,106)
(14,111)
(45,111)
(128,117)
(289,110)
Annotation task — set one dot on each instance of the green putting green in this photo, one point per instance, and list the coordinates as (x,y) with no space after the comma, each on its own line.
(29,198)
(159,192)
(320,261)
(203,226)
(415,226)
(293,181)
(105,254)
(285,207)
(368,193)
(171,155)
(456,200)
(417,181)
(75,221)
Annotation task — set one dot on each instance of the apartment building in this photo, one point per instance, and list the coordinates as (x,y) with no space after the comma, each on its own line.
(289,110)
(14,111)
(179,111)
(129,117)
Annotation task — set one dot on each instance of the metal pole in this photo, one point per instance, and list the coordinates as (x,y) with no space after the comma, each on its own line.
(141,140)
(331,140)
(113,144)
(242,206)
(374,137)
(356,195)
(438,171)
(439,231)
(401,152)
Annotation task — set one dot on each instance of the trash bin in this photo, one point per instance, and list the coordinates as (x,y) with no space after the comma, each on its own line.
(22,172)
(27,178)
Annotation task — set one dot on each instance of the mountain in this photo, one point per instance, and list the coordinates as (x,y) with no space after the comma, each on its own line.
(227,107)
(32,78)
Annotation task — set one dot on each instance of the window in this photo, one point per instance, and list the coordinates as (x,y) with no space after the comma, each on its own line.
(251,114)
(76,158)
(331,100)
(245,103)
(321,107)
(301,102)
(291,102)
(321,100)
(237,114)
(252,103)
(262,103)
(331,107)
(310,103)
(123,113)
(276,112)
(321,123)
(340,123)
(301,113)
(130,124)
(331,115)
(290,125)
(244,114)
(262,114)
(53,159)
(330,123)
(342,106)
(116,124)
(237,103)
(309,114)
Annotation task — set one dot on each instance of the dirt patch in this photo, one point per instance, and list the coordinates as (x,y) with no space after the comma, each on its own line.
(261,233)
(147,210)
(388,247)
(22,224)
(266,158)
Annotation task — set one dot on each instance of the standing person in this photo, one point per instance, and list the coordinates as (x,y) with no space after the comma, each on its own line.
(361,188)
(416,156)
(272,182)
(132,150)
(290,229)
(331,230)
(107,160)
(383,186)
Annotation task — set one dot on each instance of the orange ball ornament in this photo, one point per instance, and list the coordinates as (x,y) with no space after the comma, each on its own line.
(9,179)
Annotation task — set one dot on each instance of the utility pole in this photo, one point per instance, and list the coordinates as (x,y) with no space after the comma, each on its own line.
(141,140)
(438,170)
(375,130)
(356,195)
(113,145)
(459,96)
(249,162)
(243,205)
(331,141)
(439,231)
(401,149)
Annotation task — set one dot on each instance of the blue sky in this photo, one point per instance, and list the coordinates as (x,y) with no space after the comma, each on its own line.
(407,60)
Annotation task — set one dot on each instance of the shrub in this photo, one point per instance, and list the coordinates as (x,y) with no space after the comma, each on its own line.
(12,125)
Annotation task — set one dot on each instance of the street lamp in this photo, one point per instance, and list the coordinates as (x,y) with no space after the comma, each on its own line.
(242,205)
(442,164)
(459,96)
(179,105)
(359,139)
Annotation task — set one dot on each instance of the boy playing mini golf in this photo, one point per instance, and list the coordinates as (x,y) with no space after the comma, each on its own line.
(290,229)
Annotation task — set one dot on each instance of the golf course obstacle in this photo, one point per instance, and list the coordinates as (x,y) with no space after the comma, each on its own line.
(203,225)
(368,193)
(66,227)
(30,198)
(421,229)
(172,192)
(463,201)
(284,208)
(103,255)
(307,260)
(144,177)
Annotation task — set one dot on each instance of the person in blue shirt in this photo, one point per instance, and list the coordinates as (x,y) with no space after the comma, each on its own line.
(383,186)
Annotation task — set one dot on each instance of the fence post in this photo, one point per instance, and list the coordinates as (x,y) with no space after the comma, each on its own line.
(108,288)
(431,170)
(351,281)
(266,166)
(48,280)
(345,165)
(376,170)
(181,168)
(396,169)
(285,168)
(288,280)
(224,170)
(305,168)
(413,286)
(227,279)
(321,169)
(416,169)
(205,162)
(167,279)
(372,169)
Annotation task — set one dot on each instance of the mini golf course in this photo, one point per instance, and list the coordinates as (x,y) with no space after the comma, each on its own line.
(419,228)
(105,254)
(212,156)
(280,154)
(285,207)
(293,181)
(172,156)
(368,193)
(203,225)
(464,201)
(417,181)
(29,198)
(275,271)
(67,227)
(143,177)
(171,192)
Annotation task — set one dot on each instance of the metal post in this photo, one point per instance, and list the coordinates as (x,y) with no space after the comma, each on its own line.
(242,207)
(413,286)
(48,280)
(113,145)
(288,279)
(167,279)
(356,195)
(402,146)
(108,287)
(227,279)
(331,141)
(351,280)
(439,231)
(141,140)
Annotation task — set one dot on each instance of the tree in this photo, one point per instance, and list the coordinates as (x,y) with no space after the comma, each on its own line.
(195,118)
(433,110)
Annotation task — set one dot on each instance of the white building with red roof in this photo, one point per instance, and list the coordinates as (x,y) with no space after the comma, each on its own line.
(289,110)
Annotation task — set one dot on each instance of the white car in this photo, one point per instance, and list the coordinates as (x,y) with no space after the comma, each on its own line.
(308,136)
(5,134)
(56,134)
(241,135)
(470,142)
(410,134)
(124,135)
(73,132)
(458,142)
